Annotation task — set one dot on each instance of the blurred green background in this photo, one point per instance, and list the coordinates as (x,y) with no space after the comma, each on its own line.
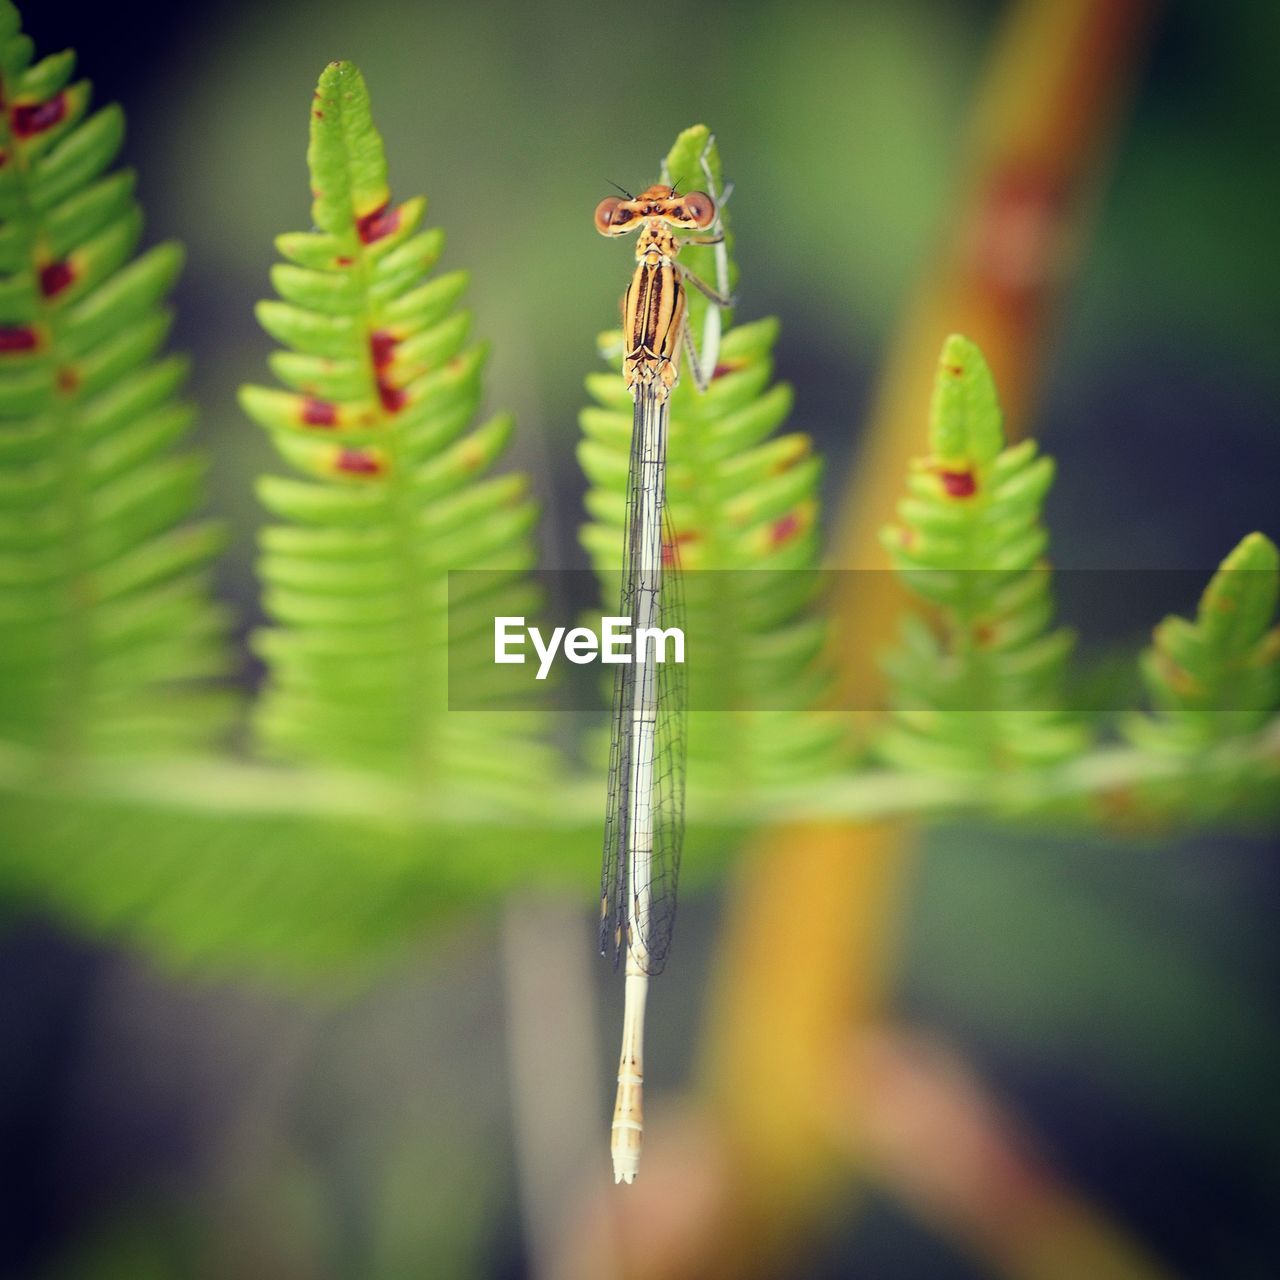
(1122,1000)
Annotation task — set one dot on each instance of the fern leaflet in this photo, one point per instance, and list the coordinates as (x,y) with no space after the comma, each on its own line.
(1218,676)
(976,687)
(105,617)
(381,388)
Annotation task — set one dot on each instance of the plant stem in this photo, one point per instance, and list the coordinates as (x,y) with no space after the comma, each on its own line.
(1093,783)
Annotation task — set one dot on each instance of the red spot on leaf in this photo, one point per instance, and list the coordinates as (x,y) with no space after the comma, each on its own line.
(958,484)
(56,277)
(955,370)
(382,346)
(722,368)
(30,118)
(67,379)
(1121,807)
(4,158)
(393,398)
(381,222)
(670,557)
(343,261)
(18,338)
(907,537)
(319,413)
(357,462)
(785,529)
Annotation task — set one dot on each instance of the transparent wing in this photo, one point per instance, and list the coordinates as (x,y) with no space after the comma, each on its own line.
(644,823)
(613,878)
(669,768)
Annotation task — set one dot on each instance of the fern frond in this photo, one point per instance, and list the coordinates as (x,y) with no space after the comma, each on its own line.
(381,386)
(741,498)
(977,687)
(105,617)
(1216,677)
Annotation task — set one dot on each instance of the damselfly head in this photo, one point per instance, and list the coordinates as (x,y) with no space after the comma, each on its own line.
(694,209)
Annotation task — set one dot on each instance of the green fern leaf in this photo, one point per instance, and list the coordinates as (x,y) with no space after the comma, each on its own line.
(979,688)
(741,499)
(105,617)
(381,387)
(1216,677)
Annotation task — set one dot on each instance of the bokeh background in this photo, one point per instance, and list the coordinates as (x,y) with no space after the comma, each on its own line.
(1101,1014)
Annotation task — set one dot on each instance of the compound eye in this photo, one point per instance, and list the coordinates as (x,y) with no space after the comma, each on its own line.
(606,212)
(700,207)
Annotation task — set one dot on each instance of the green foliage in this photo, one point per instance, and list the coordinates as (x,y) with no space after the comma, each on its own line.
(368,841)
(1218,676)
(105,618)
(217,867)
(742,499)
(979,689)
(382,386)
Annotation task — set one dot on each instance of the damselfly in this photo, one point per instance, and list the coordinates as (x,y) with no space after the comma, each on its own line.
(644,826)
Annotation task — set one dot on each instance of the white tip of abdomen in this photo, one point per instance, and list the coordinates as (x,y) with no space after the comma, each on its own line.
(626,1164)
